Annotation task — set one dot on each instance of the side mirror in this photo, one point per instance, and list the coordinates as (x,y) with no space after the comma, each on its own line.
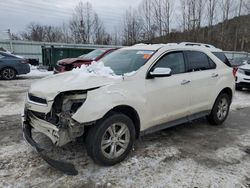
(160,72)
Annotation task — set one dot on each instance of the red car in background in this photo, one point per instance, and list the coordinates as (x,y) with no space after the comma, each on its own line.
(68,64)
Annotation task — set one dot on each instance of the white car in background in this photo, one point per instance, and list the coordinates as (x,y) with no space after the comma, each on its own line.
(242,76)
(148,88)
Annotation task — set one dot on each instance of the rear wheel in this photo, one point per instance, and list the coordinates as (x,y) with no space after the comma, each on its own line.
(111,139)
(8,73)
(220,110)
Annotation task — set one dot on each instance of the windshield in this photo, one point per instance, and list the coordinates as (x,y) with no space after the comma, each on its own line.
(125,61)
(93,55)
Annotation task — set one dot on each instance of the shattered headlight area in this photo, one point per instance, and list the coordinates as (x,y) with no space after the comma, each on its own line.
(57,125)
(64,107)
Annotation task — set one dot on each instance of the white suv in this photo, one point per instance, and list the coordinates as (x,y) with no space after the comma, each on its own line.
(242,76)
(139,90)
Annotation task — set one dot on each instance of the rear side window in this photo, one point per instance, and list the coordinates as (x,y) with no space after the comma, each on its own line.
(174,61)
(198,61)
(222,57)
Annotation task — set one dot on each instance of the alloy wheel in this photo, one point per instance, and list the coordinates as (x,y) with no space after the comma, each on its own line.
(115,140)
(8,73)
(222,109)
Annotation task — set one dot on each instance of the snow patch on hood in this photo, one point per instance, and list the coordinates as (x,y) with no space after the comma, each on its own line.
(130,73)
(86,77)
(96,69)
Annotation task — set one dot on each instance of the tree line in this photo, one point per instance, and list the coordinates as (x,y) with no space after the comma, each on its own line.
(158,18)
(85,26)
(150,20)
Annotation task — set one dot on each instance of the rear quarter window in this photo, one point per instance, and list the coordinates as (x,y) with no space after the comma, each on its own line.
(198,61)
(222,57)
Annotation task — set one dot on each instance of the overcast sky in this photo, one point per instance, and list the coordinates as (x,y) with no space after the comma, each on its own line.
(16,14)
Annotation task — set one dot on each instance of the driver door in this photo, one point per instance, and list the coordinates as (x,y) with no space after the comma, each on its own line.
(168,97)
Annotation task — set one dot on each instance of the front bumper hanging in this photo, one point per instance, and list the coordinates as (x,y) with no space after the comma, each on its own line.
(62,166)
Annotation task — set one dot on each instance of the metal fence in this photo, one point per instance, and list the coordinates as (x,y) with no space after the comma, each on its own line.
(30,49)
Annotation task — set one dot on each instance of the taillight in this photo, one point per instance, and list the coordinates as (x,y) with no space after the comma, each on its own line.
(235,70)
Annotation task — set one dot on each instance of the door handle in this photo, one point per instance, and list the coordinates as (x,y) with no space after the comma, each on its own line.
(214,75)
(185,82)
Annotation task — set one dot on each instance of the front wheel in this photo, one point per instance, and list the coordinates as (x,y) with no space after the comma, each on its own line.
(111,139)
(220,110)
(8,73)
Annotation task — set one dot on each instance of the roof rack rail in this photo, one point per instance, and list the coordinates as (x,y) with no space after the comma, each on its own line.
(197,44)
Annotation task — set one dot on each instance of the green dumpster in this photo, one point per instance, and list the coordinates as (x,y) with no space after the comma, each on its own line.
(52,54)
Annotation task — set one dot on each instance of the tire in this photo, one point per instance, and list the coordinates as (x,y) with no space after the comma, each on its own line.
(8,73)
(220,110)
(99,140)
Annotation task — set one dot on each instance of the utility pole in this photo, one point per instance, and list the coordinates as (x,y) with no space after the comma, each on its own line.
(10,38)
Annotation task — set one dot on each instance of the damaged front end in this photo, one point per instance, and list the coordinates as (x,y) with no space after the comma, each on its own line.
(57,123)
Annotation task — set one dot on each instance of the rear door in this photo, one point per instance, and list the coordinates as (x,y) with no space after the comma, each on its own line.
(203,79)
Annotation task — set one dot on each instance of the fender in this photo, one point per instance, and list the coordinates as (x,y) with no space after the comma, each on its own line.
(222,84)
(102,100)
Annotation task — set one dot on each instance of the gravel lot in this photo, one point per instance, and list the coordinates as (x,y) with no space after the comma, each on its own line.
(190,155)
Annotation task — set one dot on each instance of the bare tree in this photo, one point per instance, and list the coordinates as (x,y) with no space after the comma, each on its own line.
(200,10)
(183,4)
(52,34)
(161,14)
(246,5)
(34,32)
(44,33)
(157,15)
(77,25)
(167,12)
(240,7)
(66,33)
(89,16)
(146,15)
(132,27)
(211,8)
(117,35)
(99,34)
(226,7)
(82,22)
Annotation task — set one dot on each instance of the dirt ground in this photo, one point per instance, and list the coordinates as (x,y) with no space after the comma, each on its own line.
(189,155)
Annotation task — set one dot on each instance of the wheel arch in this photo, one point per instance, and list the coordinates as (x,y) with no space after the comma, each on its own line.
(131,113)
(227,91)
(2,68)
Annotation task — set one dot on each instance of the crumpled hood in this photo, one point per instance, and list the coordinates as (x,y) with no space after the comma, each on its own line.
(50,86)
(247,67)
(69,61)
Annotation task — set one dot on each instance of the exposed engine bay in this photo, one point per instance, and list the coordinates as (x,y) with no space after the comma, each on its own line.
(58,124)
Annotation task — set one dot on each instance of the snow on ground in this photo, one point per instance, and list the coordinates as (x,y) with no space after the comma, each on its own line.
(35,72)
(241,100)
(190,155)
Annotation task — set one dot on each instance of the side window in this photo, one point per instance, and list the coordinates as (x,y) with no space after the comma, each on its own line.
(174,61)
(198,61)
